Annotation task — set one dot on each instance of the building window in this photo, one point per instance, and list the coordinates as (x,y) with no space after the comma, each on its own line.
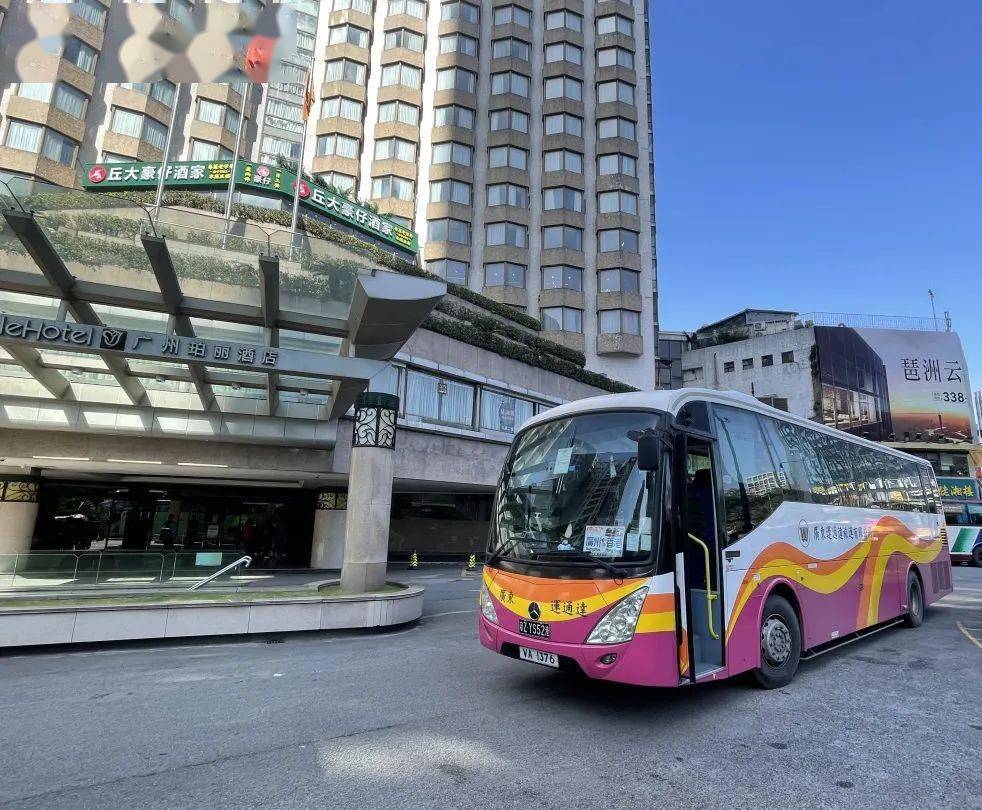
(348,35)
(109,157)
(748,363)
(59,148)
(617,202)
(402,74)
(564,52)
(455,78)
(617,90)
(414,8)
(24,136)
(35,91)
(206,150)
(458,43)
(728,366)
(562,160)
(93,12)
(457,10)
(399,111)
(562,236)
(453,115)
(210,111)
(617,164)
(562,277)
(511,156)
(393,187)
(509,119)
(767,360)
(337,145)
(508,194)
(345,70)
(135,125)
(563,124)
(363,6)
(564,87)
(617,128)
(511,48)
(624,321)
(453,152)
(404,38)
(615,24)
(344,183)
(509,82)
(502,412)
(504,274)
(617,240)
(449,230)
(562,198)
(450,191)
(438,399)
(79,54)
(515,15)
(561,319)
(787,357)
(163,91)
(564,19)
(506,233)
(395,149)
(335,107)
(452,271)
(620,280)
(615,57)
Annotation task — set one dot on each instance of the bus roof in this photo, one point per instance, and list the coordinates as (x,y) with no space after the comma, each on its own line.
(673,400)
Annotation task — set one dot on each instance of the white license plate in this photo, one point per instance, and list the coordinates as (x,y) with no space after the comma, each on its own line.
(547,659)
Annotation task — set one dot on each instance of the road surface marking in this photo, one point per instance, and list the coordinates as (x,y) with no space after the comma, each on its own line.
(969,636)
(447,613)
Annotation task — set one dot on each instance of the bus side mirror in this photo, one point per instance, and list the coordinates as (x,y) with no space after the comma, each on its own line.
(648,450)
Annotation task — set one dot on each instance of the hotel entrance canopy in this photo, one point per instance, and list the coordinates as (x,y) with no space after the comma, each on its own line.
(117,317)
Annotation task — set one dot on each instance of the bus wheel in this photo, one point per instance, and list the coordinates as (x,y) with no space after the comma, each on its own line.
(915,601)
(780,643)
(977,556)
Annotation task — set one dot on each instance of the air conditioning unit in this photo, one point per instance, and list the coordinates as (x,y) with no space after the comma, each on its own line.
(760,326)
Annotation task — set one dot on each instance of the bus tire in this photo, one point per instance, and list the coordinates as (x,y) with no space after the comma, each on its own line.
(780,643)
(915,601)
(977,556)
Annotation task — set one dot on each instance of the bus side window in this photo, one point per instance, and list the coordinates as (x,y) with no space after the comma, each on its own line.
(930,487)
(799,470)
(751,485)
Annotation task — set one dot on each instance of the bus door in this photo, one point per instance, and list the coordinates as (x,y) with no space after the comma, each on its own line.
(697,560)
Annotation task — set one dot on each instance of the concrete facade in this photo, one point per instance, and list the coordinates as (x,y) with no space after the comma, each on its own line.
(740,366)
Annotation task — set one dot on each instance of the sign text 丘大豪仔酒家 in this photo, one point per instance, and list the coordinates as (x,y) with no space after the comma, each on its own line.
(215,174)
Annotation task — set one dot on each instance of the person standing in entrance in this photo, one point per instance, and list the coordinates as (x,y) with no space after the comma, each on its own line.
(168,532)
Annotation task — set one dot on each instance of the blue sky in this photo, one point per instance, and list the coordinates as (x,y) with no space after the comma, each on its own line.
(819,156)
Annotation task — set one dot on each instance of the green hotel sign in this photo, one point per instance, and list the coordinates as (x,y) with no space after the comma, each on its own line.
(215,174)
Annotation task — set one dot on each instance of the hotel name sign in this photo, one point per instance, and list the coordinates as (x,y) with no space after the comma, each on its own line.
(106,340)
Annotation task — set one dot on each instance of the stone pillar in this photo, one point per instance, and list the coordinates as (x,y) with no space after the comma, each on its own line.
(366,541)
(18,514)
(327,548)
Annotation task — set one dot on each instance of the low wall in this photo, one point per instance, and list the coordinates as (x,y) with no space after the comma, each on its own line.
(79,623)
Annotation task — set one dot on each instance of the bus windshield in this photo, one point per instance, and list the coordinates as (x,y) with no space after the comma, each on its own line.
(571,490)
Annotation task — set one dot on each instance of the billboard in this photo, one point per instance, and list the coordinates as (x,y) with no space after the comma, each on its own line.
(894,383)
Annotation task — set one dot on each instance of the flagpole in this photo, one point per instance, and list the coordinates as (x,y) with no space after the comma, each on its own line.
(167,144)
(235,161)
(308,101)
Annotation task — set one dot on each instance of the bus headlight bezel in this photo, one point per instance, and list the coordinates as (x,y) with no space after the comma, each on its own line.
(619,623)
(487,605)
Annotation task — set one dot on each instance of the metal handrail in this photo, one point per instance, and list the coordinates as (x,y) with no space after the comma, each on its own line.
(247,561)
(710,596)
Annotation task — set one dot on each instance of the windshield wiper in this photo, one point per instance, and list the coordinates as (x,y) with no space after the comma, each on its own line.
(500,550)
(583,555)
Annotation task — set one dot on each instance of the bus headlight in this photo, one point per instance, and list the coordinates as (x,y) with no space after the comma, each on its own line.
(487,606)
(619,623)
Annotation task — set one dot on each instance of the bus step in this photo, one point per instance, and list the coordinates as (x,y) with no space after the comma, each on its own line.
(829,646)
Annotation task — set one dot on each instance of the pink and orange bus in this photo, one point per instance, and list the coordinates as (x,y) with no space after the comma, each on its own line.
(672,537)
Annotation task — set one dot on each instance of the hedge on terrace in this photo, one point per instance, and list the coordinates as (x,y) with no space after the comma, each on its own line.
(466,333)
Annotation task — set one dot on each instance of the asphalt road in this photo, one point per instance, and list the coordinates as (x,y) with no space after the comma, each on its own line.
(425,717)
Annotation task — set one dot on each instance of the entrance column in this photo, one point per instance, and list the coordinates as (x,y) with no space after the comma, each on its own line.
(18,514)
(327,548)
(366,541)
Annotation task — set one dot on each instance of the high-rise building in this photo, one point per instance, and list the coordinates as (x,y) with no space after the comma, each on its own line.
(513,135)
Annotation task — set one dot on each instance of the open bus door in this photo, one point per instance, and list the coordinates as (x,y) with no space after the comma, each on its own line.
(697,561)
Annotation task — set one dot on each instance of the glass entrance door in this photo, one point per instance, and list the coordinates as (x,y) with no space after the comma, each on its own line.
(700,558)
